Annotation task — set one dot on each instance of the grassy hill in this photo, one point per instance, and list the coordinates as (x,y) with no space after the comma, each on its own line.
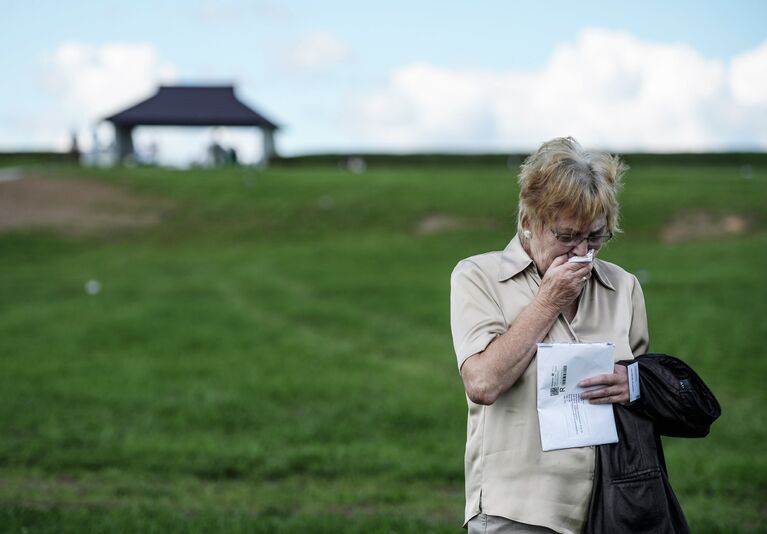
(274,354)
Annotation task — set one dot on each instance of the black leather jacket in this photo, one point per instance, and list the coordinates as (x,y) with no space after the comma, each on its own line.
(631,491)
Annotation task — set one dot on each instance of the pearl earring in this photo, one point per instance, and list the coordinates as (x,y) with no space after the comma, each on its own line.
(527,234)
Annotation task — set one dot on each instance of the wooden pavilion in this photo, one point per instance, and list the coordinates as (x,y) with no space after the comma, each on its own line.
(190,106)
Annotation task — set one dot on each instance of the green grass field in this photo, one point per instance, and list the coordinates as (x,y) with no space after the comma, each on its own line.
(275,355)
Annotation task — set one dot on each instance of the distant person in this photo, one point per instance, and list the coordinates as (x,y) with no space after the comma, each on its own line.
(74,148)
(231,157)
(217,155)
(504,303)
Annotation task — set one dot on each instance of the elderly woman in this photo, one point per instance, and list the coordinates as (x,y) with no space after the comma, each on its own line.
(504,303)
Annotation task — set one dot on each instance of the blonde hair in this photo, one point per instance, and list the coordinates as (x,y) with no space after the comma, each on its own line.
(562,179)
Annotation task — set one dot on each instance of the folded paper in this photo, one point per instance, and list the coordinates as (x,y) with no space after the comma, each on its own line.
(565,419)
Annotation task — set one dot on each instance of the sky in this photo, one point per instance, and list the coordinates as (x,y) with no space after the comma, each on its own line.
(396,76)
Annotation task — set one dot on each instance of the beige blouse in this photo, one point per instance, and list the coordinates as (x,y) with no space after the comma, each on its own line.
(507,474)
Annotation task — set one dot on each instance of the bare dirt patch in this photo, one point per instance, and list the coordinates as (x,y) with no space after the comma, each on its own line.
(436,223)
(74,207)
(702,224)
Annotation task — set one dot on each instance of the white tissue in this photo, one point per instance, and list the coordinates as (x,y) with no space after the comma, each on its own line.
(588,258)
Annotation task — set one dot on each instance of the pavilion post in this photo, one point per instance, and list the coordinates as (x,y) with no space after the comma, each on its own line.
(123,143)
(269,148)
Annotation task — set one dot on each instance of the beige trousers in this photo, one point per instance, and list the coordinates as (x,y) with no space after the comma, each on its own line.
(492,524)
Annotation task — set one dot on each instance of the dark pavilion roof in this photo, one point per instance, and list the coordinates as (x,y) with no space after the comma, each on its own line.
(191,106)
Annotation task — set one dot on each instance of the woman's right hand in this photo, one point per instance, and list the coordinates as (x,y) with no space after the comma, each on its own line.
(563,282)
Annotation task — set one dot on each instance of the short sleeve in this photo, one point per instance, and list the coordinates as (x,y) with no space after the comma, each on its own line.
(475,314)
(639,336)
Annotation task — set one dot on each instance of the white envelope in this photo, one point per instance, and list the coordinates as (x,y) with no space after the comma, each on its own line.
(565,419)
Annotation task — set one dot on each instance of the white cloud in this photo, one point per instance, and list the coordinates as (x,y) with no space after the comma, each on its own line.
(317,50)
(89,82)
(93,81)
(748,77)
(609,89)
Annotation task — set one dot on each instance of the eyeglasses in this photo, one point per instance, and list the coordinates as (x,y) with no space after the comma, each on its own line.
(573,240)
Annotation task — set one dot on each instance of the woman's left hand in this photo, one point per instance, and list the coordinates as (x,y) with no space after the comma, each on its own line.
(615,387)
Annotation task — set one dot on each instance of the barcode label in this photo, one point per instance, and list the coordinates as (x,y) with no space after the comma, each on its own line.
(558,380)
